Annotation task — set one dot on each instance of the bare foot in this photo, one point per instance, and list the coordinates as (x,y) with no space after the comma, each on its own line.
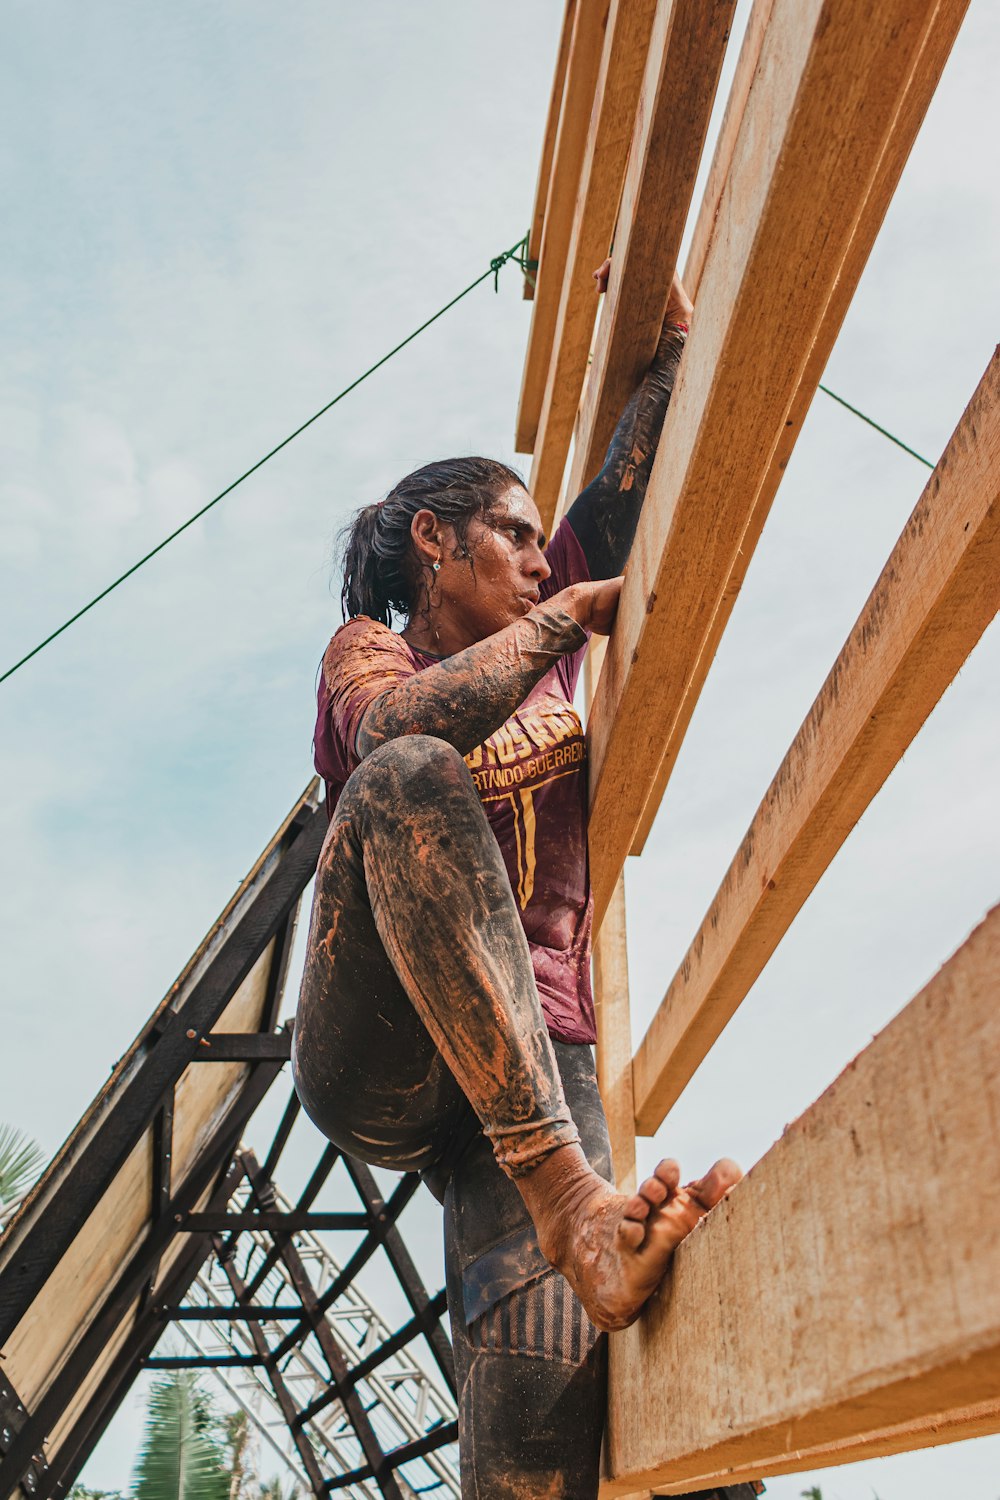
(614,1250)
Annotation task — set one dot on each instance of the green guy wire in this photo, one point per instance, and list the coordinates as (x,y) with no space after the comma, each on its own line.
(898,441)
(516,253)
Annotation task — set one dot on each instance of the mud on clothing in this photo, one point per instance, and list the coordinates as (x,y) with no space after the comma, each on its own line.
(397,942)
(531,776)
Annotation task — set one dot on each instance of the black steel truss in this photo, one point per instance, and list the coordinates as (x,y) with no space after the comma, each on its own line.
(243,1209)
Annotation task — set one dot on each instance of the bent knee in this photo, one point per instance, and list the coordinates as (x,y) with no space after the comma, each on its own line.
(416,756)
(411,768)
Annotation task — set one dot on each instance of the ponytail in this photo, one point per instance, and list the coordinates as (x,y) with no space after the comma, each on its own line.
(363,591)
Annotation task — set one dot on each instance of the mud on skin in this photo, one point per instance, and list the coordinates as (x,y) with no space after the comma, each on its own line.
(418,972)
(418,985)
(467,697)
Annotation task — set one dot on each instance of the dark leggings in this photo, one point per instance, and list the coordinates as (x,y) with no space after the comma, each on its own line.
(420,1045)
(418,974)
(418,992)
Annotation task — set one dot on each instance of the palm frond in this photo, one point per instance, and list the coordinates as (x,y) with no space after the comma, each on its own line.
(237,1437)
(21,1159)
(277,1488)
(180,1457)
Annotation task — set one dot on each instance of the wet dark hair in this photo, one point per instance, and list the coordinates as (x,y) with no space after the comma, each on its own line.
(380,577)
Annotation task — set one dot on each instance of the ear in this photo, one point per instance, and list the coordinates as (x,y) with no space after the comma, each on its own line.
(425,533)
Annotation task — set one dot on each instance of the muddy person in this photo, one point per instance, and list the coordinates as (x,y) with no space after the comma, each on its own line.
(446,1016)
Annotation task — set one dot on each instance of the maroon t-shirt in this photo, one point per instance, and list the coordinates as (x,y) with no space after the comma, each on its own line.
(531,776)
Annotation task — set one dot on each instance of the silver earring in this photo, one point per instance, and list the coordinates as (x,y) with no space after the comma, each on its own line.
(435,567)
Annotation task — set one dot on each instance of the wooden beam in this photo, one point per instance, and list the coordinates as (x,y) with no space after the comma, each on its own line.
(725,144)
(824,106)
(937,593)
(548,146)
(626,42)
(686,52)
(981,1420)
(614,1038)
(848,1285)
(611,999)
(570,143)
(917,95)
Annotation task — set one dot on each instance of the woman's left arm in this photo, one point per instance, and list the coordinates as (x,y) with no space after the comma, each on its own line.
(605,515)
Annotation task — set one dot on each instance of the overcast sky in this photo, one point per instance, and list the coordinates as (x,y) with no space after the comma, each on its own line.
(215,217)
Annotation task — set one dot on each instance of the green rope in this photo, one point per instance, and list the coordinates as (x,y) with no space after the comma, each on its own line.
(898,441)
(516,253)
(519,255)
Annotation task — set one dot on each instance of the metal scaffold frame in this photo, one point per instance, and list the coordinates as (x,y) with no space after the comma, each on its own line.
(154,1212)
(404,1404)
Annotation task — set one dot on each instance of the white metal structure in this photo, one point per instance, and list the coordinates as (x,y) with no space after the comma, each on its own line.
(403,1401)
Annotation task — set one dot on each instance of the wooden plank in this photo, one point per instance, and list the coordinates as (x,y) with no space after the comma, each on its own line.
(548,146)
(626,42)
(614,1038)
(611,998)
(94,1212)
(848,1285)
(571,139)
(686,51)
(71,1298)
(937,593)
(981,1420)
(708,213)
(64,1196)
(725,144)
(824,106)
(90,1358)
(917,96)
(69,1301)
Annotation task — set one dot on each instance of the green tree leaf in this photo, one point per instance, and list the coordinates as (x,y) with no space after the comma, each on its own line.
(277,1488)
(235,1427)
(21,1159)
(181,1458)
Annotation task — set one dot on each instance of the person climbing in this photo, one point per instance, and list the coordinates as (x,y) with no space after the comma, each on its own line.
(446,1018)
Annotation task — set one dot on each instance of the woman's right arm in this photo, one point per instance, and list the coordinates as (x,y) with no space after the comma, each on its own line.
(468,696)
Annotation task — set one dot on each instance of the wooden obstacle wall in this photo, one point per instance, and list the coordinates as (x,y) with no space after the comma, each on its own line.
(807,1367)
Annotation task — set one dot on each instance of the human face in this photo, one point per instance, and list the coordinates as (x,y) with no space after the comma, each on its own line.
(495,581)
